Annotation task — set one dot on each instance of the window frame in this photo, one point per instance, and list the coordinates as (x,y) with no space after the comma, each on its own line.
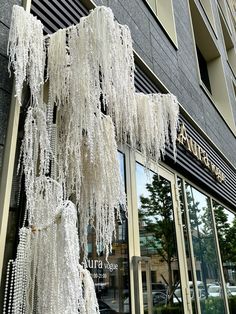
(165,17)
(219,96)
(211,198)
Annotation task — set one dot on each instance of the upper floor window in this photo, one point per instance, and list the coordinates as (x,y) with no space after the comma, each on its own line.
(207,7)
(228,41)
(163,9)
(224,7)
(211,68)
(203,70)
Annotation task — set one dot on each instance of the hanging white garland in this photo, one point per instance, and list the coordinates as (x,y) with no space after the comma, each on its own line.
(47,264)
(73,165)
(171,102)
(36,157)
(93,85)
(58,69)
(157,124)
(26,51)
(102,192)
(80,121)
(101,49)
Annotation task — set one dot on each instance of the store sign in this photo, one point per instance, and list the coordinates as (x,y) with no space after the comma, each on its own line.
(199,153)
(100,264)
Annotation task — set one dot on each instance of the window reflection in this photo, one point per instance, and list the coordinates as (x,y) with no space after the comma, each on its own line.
(157,241)
(209,287)
(185,228)
(226,229)
(111,278)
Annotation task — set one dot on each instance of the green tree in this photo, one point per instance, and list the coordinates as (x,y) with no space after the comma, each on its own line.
(208,242)
(156,216)
(223,228)
(231,240)
(226,230)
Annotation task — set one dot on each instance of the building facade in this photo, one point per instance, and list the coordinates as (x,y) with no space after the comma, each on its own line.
(176,253)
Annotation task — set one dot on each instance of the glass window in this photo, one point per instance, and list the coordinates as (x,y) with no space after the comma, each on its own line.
(226,229)
(153,5)
(210,65)
(207,8)
(158,241)
(163,9)
(208,285)
(111,277)
(203,70)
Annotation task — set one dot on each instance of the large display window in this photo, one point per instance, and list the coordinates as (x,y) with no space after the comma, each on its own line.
(174,249)
(208,235)
(146,271)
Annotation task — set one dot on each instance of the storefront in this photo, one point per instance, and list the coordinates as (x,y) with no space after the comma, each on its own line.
(174,250)
(178,240)
(177,243)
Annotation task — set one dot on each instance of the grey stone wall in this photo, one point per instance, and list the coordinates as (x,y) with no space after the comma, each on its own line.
(177,68)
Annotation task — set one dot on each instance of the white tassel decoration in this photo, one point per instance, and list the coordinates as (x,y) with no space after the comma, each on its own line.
(90,77)
(26,51)
(102,192)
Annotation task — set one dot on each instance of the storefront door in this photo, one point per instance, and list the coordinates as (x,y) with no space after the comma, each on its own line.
(159,281)
(146,271)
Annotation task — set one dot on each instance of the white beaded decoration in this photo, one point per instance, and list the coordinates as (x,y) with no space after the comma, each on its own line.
(71,167)
(102,192)
(157,114)
(26,51)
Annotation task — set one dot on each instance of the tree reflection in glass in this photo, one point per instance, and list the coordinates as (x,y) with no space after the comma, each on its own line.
(157,238)
(205,252)
(226,229)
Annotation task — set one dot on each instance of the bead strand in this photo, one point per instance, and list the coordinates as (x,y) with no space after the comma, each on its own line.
(8,279)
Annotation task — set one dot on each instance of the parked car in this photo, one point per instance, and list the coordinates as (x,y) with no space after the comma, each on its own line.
(232,290)
(178,295)
(158,298)
(201,292)
(216,291)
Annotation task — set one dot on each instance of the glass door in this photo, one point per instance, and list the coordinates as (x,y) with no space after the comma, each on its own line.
(206,262)
(146,271)
(159,264)
(206,283)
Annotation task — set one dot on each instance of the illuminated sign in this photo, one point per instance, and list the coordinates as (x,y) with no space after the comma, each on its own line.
(199,153)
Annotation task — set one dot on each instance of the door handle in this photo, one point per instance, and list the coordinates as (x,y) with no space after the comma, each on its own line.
(136,260)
